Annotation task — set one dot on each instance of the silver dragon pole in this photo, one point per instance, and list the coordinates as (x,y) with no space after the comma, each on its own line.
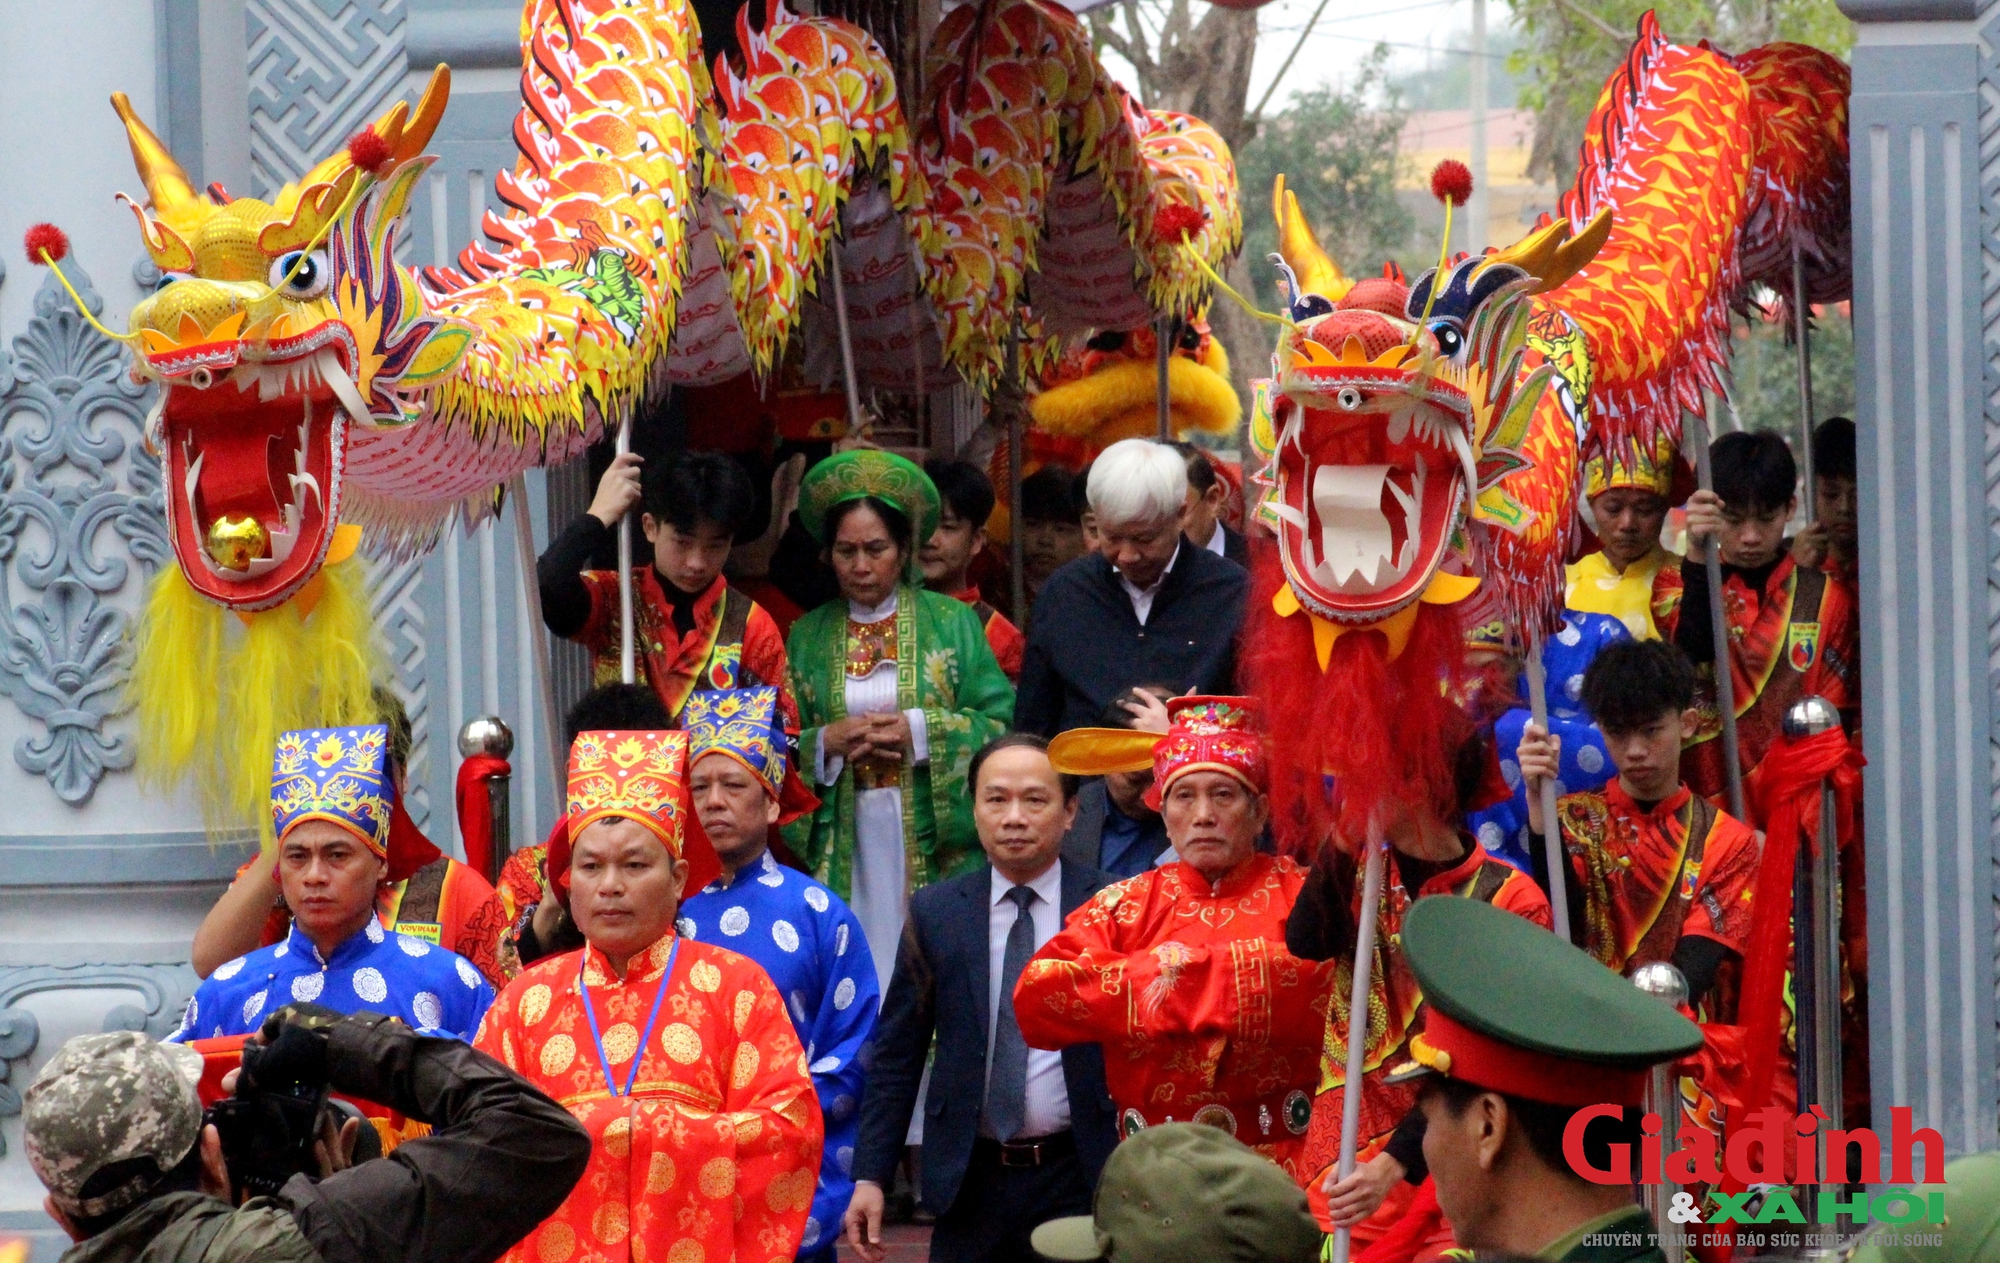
(1357,1021)
(1538,710)
(628,667)
(1718,626)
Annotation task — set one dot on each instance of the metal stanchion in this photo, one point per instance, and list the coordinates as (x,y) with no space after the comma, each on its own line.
(1816,950)
(490,736)
(1663,1097)
(1163,333)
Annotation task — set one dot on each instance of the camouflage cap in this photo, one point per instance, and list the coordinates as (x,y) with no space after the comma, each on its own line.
(110,1098)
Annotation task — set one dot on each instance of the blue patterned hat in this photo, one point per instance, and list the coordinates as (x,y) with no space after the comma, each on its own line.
(744,724)
(337,774)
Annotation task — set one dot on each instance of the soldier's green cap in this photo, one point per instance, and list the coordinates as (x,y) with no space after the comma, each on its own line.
(105,1099)
(1187,1193)
(1514,1009)
(1971,1230)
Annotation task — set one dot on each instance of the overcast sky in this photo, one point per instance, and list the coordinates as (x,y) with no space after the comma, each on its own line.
(1414,30)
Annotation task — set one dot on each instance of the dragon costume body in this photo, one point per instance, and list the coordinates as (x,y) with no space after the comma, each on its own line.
(662,227)
(1421,443)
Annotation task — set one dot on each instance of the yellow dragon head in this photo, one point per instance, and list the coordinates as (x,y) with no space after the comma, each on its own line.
(276,325)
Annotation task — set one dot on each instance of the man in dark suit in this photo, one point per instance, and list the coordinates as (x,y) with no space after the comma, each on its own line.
(1012,1136)
(1149,605)
(1206,494)
(1114,829)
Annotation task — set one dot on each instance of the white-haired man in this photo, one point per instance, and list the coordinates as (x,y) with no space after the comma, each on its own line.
(1147,606)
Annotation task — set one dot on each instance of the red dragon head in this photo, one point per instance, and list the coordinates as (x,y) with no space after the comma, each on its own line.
(276,326)
(1415,447)
(1394,420)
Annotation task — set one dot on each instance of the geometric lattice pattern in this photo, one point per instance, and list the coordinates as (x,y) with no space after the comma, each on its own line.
(1989,242)
(319,71)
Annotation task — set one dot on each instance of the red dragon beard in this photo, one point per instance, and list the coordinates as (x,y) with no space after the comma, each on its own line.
(1389,729)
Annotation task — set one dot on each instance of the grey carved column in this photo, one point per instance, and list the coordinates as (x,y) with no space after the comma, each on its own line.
(1929,452)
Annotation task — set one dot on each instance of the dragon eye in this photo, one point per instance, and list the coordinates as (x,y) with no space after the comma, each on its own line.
(168,278)
(1449,340)
(309,281)
(1349,398)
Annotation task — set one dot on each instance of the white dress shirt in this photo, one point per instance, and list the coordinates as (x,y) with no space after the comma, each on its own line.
(1047,1110)
(1218,540)
(1142,598)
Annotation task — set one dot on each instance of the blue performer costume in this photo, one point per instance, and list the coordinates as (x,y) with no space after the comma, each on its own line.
(804,936)
(341,775)
(1502,829)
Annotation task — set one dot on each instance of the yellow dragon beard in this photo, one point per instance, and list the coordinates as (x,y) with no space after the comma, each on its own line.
(197,671)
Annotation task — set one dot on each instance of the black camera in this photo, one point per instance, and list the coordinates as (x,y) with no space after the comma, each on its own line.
(267,1128)
(269,1125)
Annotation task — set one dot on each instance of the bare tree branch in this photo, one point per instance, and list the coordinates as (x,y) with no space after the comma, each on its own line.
(1621,37)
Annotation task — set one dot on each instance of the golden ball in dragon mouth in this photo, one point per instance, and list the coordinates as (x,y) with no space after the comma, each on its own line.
(236,541)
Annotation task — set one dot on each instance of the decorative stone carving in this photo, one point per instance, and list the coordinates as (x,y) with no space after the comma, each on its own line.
(73,479)
(164,990)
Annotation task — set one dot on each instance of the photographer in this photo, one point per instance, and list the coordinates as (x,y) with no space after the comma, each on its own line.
(115,1130)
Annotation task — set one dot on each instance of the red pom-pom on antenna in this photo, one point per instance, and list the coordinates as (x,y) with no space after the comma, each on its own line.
(46,244)
(1176,221)
(368,151)
(1451,179)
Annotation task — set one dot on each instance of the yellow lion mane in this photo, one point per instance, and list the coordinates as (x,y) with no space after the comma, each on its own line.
(199,669)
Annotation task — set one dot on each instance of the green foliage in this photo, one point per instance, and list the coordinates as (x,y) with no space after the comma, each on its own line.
(1765,372)
(1571,46)
(1337,148)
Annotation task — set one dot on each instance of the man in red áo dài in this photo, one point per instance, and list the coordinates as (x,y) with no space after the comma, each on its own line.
(1181,973)
(675,1055)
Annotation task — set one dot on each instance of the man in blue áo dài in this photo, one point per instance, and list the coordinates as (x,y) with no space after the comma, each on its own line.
(804,936)
(331,801)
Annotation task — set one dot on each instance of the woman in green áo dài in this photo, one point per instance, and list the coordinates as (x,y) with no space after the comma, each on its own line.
(896,689)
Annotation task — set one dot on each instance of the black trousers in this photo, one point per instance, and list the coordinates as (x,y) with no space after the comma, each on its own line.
(997,1207)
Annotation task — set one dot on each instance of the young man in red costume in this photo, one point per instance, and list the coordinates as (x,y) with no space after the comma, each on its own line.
(1654,872)
(694,630)
(946,557)
(1181,973)
(1793,629)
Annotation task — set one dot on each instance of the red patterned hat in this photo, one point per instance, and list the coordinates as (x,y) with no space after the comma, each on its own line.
(640,776)
(1209,734)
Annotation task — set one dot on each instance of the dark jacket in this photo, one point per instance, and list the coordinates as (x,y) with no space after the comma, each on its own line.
(943,969)
(501,1159)
(1235,547)
(1085,645)
(1084,843)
